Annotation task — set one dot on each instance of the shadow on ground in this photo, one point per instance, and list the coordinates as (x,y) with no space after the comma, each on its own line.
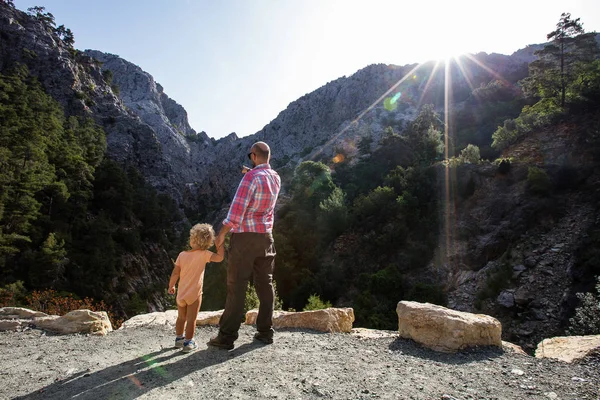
(136,377)
(411,348)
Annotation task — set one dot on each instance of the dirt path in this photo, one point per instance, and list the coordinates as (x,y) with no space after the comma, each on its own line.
(140,362)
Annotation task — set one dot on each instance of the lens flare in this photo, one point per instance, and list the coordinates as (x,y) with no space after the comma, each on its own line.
(338,158)
(389,105)
(156,368)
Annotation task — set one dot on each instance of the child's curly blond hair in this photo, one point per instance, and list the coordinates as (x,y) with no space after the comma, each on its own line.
(202,236)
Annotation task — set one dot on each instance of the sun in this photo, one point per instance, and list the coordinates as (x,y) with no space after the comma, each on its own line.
(448,47)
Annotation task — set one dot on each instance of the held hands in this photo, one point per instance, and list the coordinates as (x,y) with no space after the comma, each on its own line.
(171,290)
(219,240)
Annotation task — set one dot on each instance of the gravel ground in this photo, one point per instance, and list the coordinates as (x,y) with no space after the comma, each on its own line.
(301,364)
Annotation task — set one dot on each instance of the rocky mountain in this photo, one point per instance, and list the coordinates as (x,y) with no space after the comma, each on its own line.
(495,228)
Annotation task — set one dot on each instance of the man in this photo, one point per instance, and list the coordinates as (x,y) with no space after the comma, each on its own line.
(251,249)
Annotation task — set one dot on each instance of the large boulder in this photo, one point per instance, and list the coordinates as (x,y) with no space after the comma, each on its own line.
(327,320)
(567,348)
(78,321)
(442,329)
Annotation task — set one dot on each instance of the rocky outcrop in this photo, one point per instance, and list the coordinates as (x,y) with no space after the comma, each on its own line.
(568,348)
(327,320)
(446,330)
(78,321)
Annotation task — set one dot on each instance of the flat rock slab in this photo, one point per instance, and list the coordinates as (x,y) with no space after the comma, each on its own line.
(169,317)
(446,330)
(10,324)
(151,319)
(209,318)
(567,348)
(326,320)
(364,333)
(19,312)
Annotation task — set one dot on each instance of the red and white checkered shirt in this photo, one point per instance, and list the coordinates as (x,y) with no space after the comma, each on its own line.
(253,206)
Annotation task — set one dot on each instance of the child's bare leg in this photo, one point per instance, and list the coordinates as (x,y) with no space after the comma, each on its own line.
(192,314)
(181,316)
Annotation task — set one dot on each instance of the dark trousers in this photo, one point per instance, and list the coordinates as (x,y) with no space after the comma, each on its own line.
(249,253)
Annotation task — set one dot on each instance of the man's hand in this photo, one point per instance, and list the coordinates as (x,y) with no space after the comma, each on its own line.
(171,290)
(245,169)
(220,240)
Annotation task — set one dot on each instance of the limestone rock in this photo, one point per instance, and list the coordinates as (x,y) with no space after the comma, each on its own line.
(78,321)
(446,330)
(513,348)
(327,320)
(10,324)
(19,312)
(169,317)
(151,319)
(208,318)
(567,348)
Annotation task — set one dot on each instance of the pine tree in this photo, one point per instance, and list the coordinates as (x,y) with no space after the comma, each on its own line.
(561,60)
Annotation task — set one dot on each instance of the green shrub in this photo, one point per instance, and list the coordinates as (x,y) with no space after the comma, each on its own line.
(251,301)
(470,154)
(538,181)
(315,303)
(503,165)
(587,316)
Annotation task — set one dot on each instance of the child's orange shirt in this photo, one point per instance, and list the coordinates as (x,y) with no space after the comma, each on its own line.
(191,277)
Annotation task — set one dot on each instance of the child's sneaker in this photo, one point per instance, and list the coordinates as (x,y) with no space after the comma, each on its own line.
(179,342)
(189,345)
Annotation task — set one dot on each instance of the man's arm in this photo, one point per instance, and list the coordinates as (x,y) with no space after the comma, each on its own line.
(220,239)
(237,210)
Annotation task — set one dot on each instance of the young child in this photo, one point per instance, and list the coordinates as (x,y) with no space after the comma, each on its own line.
(189,270)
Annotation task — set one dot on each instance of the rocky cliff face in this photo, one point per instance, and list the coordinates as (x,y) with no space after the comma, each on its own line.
(511,253)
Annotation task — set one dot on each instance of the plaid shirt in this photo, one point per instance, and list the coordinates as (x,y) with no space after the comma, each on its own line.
(253,206)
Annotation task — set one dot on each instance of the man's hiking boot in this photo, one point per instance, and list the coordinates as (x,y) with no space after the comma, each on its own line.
(263,337)
(219,342)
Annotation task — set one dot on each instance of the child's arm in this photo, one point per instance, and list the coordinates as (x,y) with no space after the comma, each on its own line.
(174,278)
(220,254)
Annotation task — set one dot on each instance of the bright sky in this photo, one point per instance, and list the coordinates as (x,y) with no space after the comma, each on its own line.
(235,64)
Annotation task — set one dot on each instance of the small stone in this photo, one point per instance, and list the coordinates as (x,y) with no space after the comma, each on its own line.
(577,379)
(517,371)
(448,397)
(506,299)
(551,395)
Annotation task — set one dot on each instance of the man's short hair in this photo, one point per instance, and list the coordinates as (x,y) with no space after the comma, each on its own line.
(262,150)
